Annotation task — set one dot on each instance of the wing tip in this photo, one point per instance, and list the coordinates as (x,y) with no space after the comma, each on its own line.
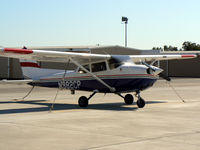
(19,51)
(188,56)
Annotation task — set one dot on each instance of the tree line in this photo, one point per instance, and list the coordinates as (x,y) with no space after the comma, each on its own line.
(186,46)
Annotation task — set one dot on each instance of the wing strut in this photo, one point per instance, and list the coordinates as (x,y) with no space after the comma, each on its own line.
(112,89)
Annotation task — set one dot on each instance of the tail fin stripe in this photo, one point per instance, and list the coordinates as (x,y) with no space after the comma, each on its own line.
(29,64)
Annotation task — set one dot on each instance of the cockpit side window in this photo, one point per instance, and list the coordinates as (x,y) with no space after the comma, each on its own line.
(113,63)
(101,66)
(86,67)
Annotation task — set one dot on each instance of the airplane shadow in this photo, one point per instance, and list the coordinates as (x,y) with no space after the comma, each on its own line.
(63,106)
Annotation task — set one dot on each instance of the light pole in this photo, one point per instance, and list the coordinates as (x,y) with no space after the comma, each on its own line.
(125,21)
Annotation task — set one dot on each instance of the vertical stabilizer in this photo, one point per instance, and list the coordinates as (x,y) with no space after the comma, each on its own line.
(32,70)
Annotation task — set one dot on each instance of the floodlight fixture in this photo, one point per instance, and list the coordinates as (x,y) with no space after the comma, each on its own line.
(125,19)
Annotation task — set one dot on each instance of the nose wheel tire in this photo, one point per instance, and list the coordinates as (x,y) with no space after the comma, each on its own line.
(83,101)
(128,99)
(140,103)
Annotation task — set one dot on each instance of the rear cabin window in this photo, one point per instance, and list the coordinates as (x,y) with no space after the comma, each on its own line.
(98,67)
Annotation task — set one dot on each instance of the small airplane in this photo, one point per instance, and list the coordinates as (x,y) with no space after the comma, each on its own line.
(98,73)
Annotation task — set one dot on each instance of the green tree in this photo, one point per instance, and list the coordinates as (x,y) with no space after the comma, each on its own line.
(189,46)
(166,48)
(157,48)
(170,48)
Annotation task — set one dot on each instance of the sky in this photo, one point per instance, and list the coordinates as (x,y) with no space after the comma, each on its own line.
(91,22)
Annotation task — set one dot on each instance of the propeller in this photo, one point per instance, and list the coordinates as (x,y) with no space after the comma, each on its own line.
(157,71)
(152,69)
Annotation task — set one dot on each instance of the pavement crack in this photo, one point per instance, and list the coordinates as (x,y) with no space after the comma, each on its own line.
(62,129)
(146,139)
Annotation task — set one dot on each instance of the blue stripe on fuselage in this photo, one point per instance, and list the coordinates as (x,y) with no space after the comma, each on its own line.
(121,85)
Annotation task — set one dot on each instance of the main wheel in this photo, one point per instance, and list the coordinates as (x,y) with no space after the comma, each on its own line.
(140,103)
(128,99)
(83,101)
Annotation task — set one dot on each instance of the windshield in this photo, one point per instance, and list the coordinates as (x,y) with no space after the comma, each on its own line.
(114,63)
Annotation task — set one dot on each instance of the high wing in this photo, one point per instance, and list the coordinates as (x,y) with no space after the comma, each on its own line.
(51,56)
(80,58)
(151,58)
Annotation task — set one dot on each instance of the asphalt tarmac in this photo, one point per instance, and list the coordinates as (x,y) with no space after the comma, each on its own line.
(166,122)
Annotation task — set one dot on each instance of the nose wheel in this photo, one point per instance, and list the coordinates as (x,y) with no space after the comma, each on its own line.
(140,102)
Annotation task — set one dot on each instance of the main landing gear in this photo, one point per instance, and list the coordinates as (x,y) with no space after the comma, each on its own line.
(128,99)
(83,101)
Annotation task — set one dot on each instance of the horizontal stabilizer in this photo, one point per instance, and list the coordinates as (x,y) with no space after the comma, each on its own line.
(16,82)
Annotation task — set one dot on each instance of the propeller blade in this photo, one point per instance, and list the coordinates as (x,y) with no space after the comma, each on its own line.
(149,66)
(152,69)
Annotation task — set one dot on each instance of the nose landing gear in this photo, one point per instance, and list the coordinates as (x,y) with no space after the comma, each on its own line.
(140,102)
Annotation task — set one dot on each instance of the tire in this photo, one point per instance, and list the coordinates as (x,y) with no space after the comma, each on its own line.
(83,101)
(140,103)
(128,99)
